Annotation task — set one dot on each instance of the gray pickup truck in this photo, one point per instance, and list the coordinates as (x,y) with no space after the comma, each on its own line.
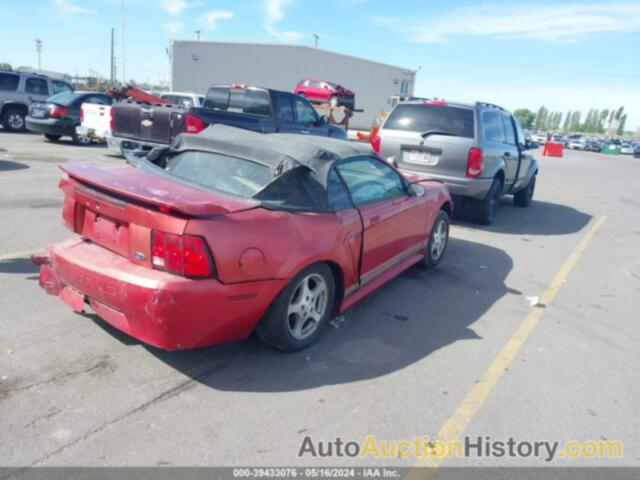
(478,150)
(18,90)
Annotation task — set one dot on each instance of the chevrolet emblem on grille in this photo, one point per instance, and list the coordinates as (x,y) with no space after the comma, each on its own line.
(146,122)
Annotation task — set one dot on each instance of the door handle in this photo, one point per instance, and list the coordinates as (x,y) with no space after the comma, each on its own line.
(507,154)
(375,220)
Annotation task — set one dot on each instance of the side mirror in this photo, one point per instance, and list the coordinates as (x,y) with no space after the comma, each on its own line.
(416,190)
(323,120)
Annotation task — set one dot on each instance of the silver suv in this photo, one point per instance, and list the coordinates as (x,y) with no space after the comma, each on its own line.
(18,90)
(478,150)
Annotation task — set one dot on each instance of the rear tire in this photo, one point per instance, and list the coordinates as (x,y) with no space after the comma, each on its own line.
(301,310)
(484,211)
(438,240)
(52,138)
(524,197)
(13,120)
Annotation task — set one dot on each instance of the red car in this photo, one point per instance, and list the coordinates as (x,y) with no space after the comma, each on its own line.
(322,91)
(231,231)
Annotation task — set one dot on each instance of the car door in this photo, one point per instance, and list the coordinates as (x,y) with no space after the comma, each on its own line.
(285,118)
(314,90)
(493,141)
(306,118)
(394,223)
(526,157)
(511,150)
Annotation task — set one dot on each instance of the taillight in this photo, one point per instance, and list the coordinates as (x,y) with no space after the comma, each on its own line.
(375,139)
(81,114)
(185,255)
(193,124)
(474,163)
(57,111)
(111,122)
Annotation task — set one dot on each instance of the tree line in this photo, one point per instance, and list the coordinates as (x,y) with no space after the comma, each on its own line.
(596,121)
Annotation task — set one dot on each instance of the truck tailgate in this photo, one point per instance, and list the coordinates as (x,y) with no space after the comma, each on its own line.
(147,123)
(96,117)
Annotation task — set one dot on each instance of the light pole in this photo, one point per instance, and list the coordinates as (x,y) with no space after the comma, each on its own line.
(39,50)
(124,74)
(316,38)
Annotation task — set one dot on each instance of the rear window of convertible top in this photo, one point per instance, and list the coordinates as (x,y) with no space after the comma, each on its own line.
(223,173)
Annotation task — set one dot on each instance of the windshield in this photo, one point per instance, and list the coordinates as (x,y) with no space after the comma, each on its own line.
(416,117)
(231,175)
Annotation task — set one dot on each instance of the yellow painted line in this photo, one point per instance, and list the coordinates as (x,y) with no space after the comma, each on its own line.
(464,413)
(26,253)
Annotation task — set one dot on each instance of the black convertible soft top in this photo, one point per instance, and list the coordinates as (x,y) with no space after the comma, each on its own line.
(300,163)
(279,151)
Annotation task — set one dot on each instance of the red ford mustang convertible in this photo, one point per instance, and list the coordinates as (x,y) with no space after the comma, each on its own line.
(231,231)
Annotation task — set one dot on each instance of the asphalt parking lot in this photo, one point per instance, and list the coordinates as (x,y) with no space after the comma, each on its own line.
(74,391)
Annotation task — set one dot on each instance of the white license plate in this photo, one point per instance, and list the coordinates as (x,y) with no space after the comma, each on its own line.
(38,113)
(419,157)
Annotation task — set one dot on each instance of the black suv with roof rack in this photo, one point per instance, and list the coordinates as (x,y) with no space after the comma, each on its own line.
(18,90)
(478,150)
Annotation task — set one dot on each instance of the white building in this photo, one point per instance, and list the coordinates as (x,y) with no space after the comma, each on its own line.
(196,65)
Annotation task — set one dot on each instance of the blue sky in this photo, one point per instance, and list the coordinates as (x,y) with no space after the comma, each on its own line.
(565,55)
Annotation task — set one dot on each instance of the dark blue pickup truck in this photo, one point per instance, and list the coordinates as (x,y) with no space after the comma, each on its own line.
(144,126)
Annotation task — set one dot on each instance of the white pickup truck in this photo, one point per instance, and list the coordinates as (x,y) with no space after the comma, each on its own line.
(97,120)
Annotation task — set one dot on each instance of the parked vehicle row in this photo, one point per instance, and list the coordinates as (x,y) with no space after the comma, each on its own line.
(279,232)
(142,125)
(587,143)
(61,114)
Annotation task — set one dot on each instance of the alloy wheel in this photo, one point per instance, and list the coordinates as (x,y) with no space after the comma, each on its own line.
(15,121)
(439,240)
(307,306)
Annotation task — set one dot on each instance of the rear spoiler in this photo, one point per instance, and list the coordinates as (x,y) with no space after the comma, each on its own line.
(142,186)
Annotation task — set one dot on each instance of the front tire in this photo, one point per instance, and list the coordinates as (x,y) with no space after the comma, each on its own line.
(438,240)
(301,310)
(484,211)
(524,197)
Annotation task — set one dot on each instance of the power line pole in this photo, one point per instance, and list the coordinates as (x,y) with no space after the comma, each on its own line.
(39,50)
(124,76)
(112,75)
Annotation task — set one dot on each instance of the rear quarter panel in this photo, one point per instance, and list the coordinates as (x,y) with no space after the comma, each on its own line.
(262,244)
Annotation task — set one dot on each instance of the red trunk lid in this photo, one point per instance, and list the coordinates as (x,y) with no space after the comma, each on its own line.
(118,207)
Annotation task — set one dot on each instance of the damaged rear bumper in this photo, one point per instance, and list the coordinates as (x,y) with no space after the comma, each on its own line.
(157,308)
